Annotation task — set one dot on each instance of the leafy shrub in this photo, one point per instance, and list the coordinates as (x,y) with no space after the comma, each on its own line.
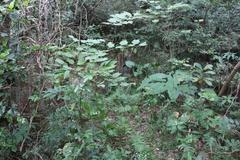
(200,128)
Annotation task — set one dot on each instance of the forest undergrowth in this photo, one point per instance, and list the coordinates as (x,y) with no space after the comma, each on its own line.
(119,80)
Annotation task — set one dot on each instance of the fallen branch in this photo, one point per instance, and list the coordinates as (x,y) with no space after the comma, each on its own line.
(229,79)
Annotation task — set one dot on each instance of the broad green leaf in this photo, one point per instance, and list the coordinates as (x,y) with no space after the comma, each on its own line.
(199,66)
(26,2)
(209,83)
(130,64)
(66,74)
(155,20)
(110,45)
(172,88)
(209,94)
(143,44)
(60,61)
(123,42)
(73,38)
(93,41)
(135,42)
(210,72)
(12,5)
(208,67)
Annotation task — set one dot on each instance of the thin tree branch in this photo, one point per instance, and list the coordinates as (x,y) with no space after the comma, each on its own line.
(229,79)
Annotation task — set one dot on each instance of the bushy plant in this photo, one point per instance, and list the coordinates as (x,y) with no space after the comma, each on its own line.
(85,124)
(201,128)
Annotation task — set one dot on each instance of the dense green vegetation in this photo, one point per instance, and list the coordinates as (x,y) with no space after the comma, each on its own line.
(119,79)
